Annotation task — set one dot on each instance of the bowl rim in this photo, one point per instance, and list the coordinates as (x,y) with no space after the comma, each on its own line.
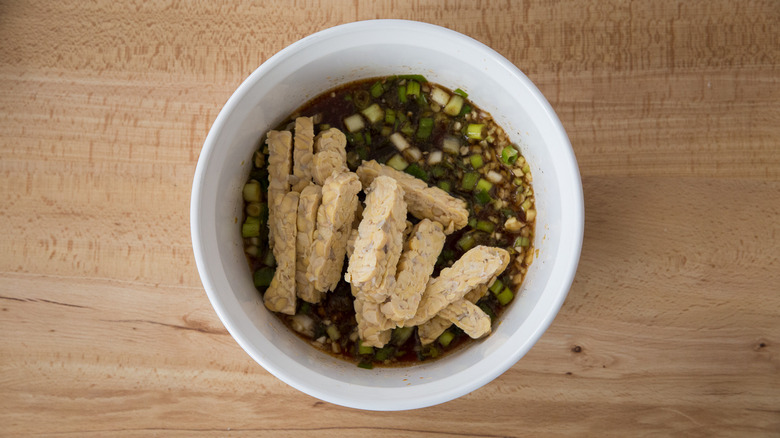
(567,161)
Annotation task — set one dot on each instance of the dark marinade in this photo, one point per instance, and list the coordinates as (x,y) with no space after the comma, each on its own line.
(469,146)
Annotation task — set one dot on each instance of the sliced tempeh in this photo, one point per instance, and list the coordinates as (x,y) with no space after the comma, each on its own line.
(280,295)
(309,203)
(279,166)
(331,140)
(378,247)
(414,270)
(334,221)
(423,202)
(303,154)
(476,267)
(431,330)
(325,164)
(470,318)
(371,334)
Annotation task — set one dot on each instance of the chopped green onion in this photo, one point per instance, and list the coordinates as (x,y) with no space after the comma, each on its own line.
(389,116)
(467,242)
(425,127)
(475,131)
(374,113)
(484,184)
(465,110)
(526,168)
(445,338)
(526,204)
(366,365)
(447,254)
(469,180)
(252,191)
(324,127)
(445,185)
(358,137)
(505,296)
(397,162)
(509,155)
(486,308)
(362,99)
(473,222)
(416,171)
(353,160)
(383,354)
(305,308)
(412,88)
(518,182)
(483,197)
(402,94)
(430,351)
(377,89)
(407,128)
(496,287)
(333,332)
(401,335)
(365,349)
(263,276)
(438,171)
(255,209)
(454,105)
(269,259)
(386,131)
(461,92)
(250,229)
(486,226)
(522,241)
(530,215)
(476,161)
(418,78)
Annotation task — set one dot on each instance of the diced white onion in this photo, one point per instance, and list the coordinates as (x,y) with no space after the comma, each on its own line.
(435,157)
(354,123)
(399,141)
(494,177)
(303,324)
(414,154)
(440,96)
(451,145)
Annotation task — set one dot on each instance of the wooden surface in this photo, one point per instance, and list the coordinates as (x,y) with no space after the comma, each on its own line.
(672,326)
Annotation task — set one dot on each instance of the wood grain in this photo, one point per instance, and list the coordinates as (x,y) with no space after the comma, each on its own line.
(672,326)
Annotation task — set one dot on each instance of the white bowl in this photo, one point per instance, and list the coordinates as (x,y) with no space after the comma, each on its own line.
(363,50)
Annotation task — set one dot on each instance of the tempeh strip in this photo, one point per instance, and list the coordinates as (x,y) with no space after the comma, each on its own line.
(325,164)
(371,334)
(280,295)
(431,330)
(303,154)
(378,247)
(414,270)
(331,140)
(309,203)
(423,202)
(476,267)
(279,166)
(470,318)
(334,221)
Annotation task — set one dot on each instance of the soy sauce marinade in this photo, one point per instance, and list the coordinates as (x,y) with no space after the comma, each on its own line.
(440,137)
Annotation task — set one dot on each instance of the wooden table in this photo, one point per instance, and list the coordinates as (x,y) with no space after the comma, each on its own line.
(672,326)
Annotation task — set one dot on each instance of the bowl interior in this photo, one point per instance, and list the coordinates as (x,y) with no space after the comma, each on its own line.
(347,53)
